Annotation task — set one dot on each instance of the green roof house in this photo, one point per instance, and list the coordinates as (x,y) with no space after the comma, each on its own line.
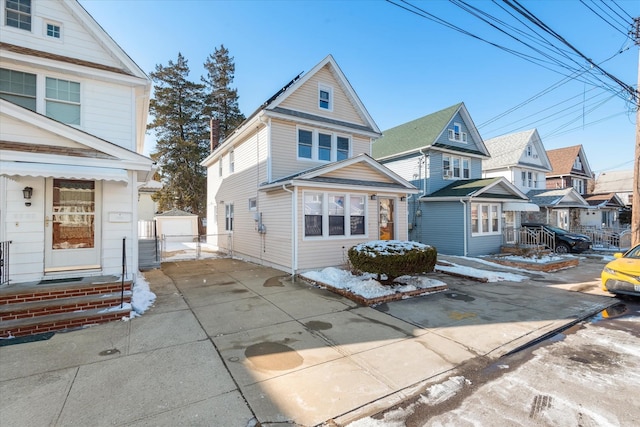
(457,210)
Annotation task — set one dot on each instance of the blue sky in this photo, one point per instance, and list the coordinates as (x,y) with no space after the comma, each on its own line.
(404,66)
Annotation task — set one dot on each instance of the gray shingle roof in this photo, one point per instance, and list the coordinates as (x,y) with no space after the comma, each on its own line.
(506,150)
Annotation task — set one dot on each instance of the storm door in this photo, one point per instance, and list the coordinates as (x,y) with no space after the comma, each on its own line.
(387,223)
(72,225)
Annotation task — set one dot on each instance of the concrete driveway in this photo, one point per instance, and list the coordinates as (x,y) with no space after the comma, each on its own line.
(231,343)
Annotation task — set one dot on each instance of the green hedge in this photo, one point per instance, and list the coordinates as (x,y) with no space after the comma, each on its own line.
(393,258)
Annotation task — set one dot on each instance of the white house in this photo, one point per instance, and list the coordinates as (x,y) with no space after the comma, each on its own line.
(294,186)
(73,114)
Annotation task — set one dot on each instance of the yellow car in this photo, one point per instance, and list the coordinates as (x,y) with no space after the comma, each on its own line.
(622,275)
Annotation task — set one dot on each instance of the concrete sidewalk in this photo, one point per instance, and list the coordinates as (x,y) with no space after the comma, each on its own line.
(229,343)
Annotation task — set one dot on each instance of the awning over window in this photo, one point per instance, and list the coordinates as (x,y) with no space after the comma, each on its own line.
(47,170)
(520,207)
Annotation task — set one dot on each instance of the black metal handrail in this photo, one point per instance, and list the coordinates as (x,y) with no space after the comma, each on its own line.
(124,270)
(4,262)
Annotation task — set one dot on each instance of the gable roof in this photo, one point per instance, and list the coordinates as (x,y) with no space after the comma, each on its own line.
(317,176)
(271,108)
(424,132)
(614,181)
(488,188)
(507,150)
(562,160)
(610,200)
(560,197)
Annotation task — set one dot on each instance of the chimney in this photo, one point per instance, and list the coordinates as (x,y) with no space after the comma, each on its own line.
(214,137)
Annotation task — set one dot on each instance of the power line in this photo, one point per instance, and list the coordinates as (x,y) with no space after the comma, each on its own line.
(604,19)
(619,7)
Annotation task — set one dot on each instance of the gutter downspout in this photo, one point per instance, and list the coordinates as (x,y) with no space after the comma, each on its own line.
(294,228)
(464,228)
(425,157)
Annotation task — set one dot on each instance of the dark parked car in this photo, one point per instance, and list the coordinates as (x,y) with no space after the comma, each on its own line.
(565,241)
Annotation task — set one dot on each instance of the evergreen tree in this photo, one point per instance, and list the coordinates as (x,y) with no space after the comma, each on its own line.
(222,100)
(182,137)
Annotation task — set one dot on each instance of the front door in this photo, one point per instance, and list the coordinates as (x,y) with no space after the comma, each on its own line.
(72,225)
(386,219)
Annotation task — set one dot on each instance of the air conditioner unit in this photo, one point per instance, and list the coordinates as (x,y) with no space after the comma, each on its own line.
(446,174)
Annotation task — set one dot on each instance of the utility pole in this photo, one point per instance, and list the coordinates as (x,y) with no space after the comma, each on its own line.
(635,201)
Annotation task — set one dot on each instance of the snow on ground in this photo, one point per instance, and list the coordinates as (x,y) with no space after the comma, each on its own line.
(491,276)
(365,284)
(177,251)
(142,297)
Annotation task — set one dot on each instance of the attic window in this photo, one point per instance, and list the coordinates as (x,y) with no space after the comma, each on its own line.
(529,151)
(456,133)
(53,30)
(18,14)
(325,97)
(577,164)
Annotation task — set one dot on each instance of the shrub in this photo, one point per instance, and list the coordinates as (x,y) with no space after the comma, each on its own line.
(393,258)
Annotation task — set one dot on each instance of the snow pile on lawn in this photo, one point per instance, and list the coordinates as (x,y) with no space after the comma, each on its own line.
(490,276)
(365,284)
(542,259)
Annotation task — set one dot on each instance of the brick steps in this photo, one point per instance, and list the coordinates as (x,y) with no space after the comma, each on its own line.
(32,309)
(60,322)
(61,305)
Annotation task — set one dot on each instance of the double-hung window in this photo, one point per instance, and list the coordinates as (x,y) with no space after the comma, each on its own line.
(305,144)
(336,215)
(325,97)
(356,217)
(313,213)
(485,218)
(18,14)
(62,98)
(232,162)
(322,146)
(342,148)
(456,167)
(18,87)
(228,217)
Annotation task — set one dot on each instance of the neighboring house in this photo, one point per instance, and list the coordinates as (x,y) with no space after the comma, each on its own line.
(604,211)
(570,168)
(73,113)
(619,182)
(147,207)
(457,211)
(294,186)
(561,207)
(520,158)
